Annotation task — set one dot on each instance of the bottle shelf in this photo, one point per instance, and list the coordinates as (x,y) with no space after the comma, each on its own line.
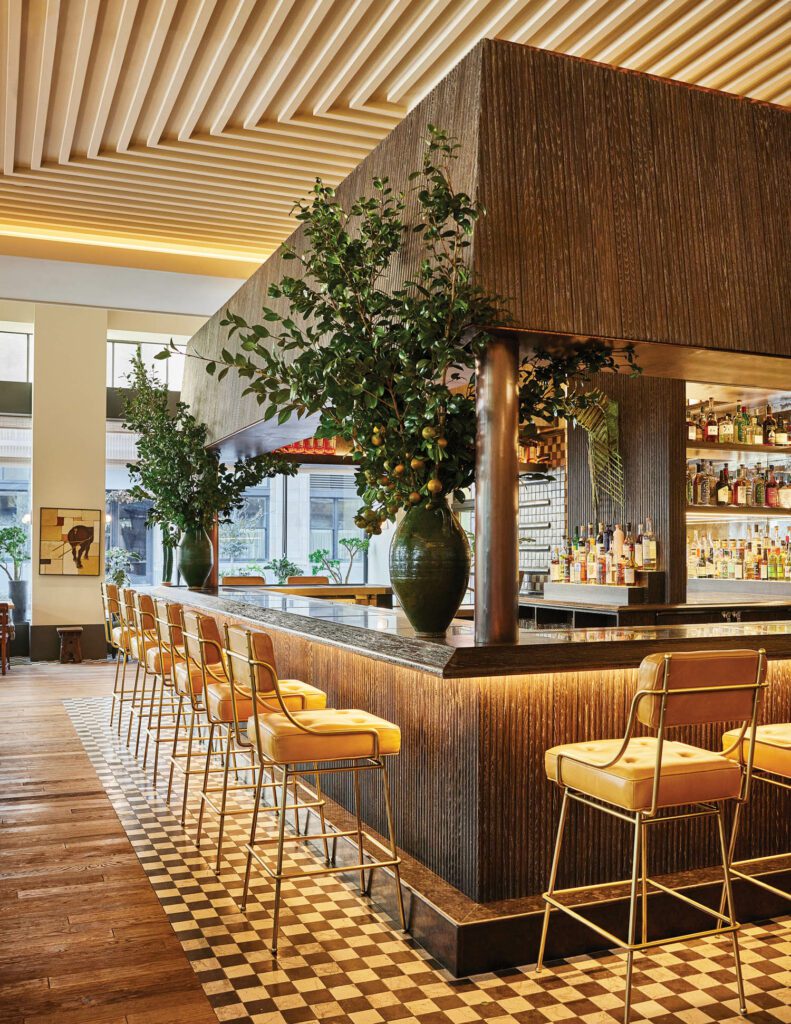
(760,511)
(704,449)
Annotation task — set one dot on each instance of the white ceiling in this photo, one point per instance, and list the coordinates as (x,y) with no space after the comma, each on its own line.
(186,128)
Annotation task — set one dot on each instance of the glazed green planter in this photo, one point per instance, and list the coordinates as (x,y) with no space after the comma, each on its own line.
(430,567)
(195,557)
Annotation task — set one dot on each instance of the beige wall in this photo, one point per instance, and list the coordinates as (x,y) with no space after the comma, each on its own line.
(69,413)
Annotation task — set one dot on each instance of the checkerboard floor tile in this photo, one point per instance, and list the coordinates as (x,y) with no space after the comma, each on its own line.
(341,962)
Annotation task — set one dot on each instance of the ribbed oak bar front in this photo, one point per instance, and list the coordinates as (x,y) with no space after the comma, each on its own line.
(472,803)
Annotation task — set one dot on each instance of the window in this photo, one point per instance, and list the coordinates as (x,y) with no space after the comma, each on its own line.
(14,356)
(15,462)
(244,542)
(333,506)
(126,518)
(119,362)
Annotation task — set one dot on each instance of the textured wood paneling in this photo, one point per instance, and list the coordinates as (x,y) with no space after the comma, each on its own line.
(626,206)
(453,104)
(619,205)
(651,429)
(471,800)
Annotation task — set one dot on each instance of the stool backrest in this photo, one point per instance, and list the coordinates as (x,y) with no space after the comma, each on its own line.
(145,614)
(167,617)
(251,661)
(700,687)
(301,581)
(111,600)
(243,581)
(202,640)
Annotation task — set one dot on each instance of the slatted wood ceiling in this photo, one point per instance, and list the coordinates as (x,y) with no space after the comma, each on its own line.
(189,126)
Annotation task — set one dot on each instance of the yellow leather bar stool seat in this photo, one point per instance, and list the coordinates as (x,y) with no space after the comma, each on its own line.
(333,738)
(649,780)
(687,774)
(772,748)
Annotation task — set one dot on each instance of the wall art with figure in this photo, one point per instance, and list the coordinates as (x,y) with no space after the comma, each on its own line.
(70,542)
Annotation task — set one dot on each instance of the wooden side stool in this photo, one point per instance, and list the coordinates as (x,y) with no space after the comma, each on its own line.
(70,647)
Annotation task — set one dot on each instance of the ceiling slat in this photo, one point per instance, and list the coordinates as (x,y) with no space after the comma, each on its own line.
(194,125)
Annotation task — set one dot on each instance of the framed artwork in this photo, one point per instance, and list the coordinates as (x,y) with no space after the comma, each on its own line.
(70,542)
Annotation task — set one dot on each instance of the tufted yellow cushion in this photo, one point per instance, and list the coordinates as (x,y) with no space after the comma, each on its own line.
(181,677)
(134,645)
(121,637)
(688,774)
(219,704)
(772,747)
(284,743)
(154,661)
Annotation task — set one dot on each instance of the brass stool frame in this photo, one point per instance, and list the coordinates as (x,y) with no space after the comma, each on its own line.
(641,820)
(146,638)
(291,771)
(197,731)
(267,702)
(111,605)
(770,779)
(196,646)
(159,731)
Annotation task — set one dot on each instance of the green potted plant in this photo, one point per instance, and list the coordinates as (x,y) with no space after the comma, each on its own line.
(13,555)
(282,568)
(185,481)
(118,563)
(321,561)
(389,364)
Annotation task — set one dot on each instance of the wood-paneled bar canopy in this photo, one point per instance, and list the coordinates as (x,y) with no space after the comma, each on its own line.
(619,205)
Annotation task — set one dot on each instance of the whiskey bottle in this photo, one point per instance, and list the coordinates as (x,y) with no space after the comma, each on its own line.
(712,427)
(726,429)
(724,487)
(769,427)
(649,546)
(692,432)
(638,548)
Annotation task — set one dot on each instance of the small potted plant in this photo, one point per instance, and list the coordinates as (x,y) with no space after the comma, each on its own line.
(282,568)
(185,481)
(13,555)
(321,561)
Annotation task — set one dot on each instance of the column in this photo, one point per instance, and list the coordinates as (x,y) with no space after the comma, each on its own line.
(497,493)
(69,428)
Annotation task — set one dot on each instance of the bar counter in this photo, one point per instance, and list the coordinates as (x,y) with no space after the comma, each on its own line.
(475,815)
(384,634)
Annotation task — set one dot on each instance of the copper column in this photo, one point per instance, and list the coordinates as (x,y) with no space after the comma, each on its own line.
(497,493)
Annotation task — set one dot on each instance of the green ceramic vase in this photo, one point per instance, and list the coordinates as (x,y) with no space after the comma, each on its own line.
(430,567)
(195,557)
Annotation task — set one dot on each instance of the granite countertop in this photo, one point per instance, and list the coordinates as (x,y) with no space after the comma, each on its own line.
(385,635)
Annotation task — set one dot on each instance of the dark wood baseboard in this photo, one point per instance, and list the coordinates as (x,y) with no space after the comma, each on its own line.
(469,938)
(45,642)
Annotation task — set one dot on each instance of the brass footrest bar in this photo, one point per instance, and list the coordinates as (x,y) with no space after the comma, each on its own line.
(621,943)
(760,882)
(329,870)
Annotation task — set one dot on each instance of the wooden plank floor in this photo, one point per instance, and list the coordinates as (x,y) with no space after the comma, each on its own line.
(83,938)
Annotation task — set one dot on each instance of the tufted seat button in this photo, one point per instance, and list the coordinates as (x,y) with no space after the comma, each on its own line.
(772,747)
(285,743)
(687,775)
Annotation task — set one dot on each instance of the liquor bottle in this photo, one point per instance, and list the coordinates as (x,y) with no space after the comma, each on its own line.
(650,559)
(712,427)
(702,486)
(600,549)
(724,487)
(618,537)
(607,538)
(638,548)
(756,430)
(759,488)
(592,557)
(740,488)
(628,544)
(555,572)
(741,425)
(712,484)
(781,434)
(769,427)
(568,559)
(692,433)
(772,490)
(725,427)
(784,493)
